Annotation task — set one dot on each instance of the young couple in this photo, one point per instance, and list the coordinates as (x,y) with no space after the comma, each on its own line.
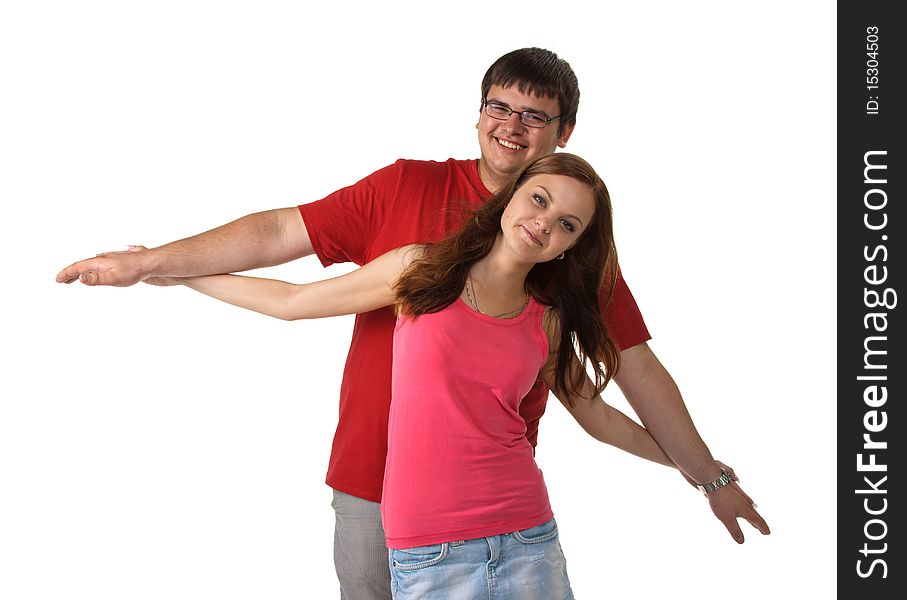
(482,324)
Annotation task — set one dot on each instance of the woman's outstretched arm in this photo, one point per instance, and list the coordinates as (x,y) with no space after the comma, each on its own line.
(598,418)
(367,288)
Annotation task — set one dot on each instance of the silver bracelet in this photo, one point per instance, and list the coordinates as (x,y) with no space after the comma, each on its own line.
(711,486)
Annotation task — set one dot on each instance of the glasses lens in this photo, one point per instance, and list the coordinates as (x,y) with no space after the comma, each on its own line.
(497,111)
(533,120)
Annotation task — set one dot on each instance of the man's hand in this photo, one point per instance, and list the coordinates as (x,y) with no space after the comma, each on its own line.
(652,393)
(262,239)
(119,269)
(730,502)
(728,506)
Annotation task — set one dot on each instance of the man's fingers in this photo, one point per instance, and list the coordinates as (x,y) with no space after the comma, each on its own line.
(72,272)
(77,270)
(728,469)
(114,268)
(734,529)
(90,278)
(66,276)
(730,504)
(93,278)
(756,520)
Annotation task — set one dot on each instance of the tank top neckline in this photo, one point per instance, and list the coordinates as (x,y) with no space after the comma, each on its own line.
(530,308)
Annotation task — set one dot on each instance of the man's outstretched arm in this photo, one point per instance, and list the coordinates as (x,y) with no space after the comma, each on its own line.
(655,398)
(258,240)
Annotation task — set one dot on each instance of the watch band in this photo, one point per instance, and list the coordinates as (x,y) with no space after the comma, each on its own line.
(711,486)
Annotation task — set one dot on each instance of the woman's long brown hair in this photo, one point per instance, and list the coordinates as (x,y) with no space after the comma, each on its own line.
(571,285)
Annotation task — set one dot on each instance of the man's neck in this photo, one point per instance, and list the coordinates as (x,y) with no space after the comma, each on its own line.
(492,183)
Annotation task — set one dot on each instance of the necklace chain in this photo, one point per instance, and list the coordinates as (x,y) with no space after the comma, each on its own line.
(471,296)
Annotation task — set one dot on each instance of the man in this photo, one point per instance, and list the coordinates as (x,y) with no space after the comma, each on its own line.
(528,108)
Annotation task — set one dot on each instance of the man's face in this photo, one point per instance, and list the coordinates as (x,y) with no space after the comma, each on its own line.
(507,146)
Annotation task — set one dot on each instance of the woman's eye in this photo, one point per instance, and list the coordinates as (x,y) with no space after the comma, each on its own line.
(538,199)
(568,226)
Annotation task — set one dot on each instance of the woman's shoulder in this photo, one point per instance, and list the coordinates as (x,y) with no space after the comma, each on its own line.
(392,264)
(551,324)
(410,253)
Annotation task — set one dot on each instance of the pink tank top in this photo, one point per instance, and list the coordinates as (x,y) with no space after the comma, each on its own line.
(459,465)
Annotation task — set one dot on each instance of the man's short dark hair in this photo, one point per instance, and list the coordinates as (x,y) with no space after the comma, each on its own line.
(538,72)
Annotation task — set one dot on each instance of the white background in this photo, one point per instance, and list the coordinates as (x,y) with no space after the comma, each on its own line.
(156,444)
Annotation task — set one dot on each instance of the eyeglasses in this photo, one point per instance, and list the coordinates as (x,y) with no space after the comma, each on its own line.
(528,118)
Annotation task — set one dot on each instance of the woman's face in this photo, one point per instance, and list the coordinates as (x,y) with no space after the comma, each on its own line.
(546,216)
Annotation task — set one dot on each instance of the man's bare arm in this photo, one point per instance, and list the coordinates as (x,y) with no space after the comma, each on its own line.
(258,240)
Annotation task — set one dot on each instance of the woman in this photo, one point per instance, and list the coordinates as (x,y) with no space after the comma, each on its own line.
(481,317)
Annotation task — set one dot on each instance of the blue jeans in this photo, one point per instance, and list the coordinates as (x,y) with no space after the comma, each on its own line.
(523,565)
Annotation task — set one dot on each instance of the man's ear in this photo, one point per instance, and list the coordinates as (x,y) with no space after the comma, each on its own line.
(565,135)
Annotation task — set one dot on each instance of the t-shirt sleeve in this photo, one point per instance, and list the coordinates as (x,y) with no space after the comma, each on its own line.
(622,317)
(343,225)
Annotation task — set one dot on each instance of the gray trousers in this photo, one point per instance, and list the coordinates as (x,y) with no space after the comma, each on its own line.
(360,556)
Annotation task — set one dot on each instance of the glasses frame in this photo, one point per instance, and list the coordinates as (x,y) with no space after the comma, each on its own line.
(510,111)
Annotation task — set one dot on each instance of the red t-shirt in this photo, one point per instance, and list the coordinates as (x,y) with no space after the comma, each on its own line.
(405,203)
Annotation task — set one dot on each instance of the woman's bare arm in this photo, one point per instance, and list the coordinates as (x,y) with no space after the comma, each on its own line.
(598,418)
(365,289)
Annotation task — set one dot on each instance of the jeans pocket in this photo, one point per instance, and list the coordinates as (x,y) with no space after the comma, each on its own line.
(420,557)
(535,535)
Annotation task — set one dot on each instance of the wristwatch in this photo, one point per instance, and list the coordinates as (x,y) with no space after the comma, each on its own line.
(714,485)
